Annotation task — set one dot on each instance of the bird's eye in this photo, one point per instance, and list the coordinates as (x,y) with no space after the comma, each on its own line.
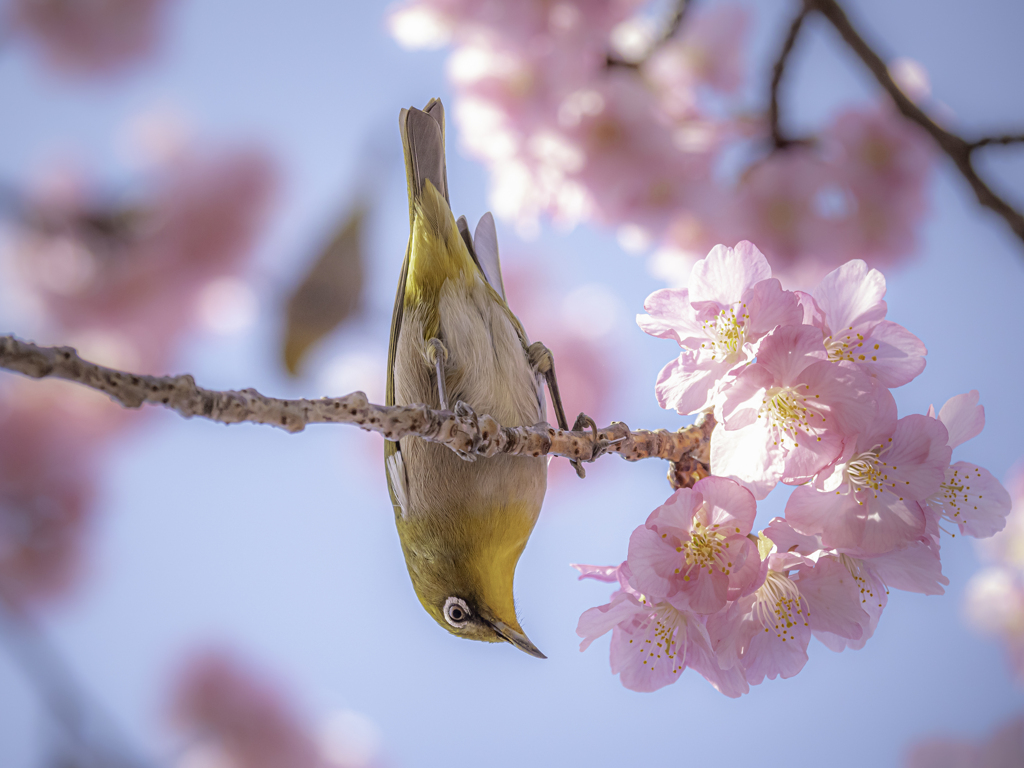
(456,612)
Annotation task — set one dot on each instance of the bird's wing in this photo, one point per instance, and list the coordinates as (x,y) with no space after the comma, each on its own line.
(485,242)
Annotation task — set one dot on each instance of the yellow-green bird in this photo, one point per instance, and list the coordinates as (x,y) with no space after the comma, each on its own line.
(463,524)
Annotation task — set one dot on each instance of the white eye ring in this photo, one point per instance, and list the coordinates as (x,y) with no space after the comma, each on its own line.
(456,612)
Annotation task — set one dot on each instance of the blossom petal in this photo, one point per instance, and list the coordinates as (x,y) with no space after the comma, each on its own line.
(834,598)
(895,356)
(729,504)
(837,517)
(685,384)
(743,455)
(725,274)
(962,417)
(972,497)
(670,315)
(769,306)
(915,568)
(595,622)
(851,295)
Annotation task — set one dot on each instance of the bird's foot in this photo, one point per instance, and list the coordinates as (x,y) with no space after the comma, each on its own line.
(540,357)
(464,414)
(437,353)
(584,422)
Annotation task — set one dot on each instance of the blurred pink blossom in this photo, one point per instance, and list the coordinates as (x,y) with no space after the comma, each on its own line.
(708,49)
(1002,748)
(994,599)
(582,344)
(135,275)
(94,37)
(241,715)
(46,493)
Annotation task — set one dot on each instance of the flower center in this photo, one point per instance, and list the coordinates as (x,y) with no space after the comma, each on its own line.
(778,606)
(727,331)
(864,471)
(659,642)
(850,346)
(953,499)
(855,566)
(790,409)
(705,550)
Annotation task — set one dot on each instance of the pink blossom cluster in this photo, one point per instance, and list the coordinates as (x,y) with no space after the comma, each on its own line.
(579,113)
(799,386)
(123,285)
(994,599)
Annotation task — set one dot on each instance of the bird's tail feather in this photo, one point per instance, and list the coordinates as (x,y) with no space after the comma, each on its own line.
(423,141)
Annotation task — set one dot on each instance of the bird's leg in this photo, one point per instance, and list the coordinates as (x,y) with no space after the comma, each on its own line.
(543,363)
(437,353)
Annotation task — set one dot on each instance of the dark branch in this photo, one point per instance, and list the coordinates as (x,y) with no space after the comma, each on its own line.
(958,149)
(1011,138)
(778,140)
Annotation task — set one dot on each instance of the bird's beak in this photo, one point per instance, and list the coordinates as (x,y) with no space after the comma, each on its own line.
(518,639)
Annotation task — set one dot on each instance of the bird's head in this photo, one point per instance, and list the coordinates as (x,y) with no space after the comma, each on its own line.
(462,568)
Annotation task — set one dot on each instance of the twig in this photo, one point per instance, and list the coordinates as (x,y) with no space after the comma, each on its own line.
(1011,138)
(461,430)
(957,148)
(778,140)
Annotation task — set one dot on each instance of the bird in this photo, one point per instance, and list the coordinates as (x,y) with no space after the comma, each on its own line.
(463,524)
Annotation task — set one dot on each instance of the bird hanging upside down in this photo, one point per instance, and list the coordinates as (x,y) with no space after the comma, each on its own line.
(455,342)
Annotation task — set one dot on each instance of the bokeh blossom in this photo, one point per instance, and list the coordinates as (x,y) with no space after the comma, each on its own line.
(994,600)
(93,37)
(240,717)
(1001,748)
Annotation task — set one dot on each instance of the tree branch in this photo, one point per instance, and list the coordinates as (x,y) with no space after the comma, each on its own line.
(461,430)
(778,140)
(957,148)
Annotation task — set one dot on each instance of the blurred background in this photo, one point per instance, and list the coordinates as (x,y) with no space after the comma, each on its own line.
(218,189)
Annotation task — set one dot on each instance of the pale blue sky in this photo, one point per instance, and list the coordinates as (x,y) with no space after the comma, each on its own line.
(284,546)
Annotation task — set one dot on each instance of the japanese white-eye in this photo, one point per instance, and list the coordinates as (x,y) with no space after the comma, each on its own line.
(462,524)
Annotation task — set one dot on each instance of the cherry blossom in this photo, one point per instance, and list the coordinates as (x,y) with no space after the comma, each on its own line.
(694,551)
(969,495)
(868,499)
(731,302)
(915,568)
(652,643)
(852,317)
(786,416)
